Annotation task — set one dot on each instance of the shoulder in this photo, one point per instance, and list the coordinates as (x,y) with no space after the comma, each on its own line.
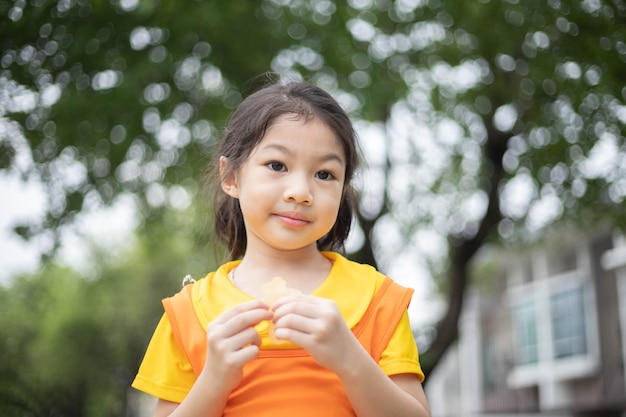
(349,279)
(351,269)
(351,285)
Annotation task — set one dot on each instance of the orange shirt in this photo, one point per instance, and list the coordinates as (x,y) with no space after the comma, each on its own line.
(166,372)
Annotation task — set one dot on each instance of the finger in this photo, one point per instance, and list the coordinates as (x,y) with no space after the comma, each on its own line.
(239,309)
(244,355)
(291,335)
(247,318)
(238,341)
(303,339)
(298,323)
(237,324)
(305,306)
(322,320)
(293,299)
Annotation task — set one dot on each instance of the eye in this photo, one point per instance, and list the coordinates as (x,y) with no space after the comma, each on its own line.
(276,166)
(324,175)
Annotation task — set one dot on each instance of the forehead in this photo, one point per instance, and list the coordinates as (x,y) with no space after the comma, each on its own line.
(296,134)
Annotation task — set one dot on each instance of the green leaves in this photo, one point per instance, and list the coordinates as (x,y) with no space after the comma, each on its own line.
(71,343)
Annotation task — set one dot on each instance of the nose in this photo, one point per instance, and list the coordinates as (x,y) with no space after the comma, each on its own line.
(298,189)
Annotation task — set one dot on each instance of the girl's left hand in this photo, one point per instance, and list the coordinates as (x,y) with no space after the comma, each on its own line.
(316,325)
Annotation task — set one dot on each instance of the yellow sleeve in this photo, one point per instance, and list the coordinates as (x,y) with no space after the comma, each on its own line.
(401,356)
(165,371)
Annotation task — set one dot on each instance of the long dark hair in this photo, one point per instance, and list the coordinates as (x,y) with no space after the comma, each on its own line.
(246,128)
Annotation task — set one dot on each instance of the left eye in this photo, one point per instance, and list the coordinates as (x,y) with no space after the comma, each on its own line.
(276,166)
(324,175)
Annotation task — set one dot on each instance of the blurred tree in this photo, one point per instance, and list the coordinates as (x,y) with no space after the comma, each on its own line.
(120,96)
(513,118)
(70,346)
(497,117)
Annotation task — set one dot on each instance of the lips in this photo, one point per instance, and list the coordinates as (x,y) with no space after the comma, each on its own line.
(292,218)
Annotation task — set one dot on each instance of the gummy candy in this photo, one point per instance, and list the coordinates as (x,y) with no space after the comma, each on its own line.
(272,291)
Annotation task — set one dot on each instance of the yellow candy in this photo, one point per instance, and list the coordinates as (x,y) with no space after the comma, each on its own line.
(272,291)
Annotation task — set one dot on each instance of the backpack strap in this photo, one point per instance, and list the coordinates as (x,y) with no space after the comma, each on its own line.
(382,316)
(190,335)
(374,330)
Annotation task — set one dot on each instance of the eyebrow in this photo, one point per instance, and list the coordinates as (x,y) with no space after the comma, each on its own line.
(332,156)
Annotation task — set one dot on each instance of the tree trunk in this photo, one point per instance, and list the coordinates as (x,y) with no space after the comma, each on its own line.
(462,250)
(365,254)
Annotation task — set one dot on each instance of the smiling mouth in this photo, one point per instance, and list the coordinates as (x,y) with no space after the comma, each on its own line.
(293,219)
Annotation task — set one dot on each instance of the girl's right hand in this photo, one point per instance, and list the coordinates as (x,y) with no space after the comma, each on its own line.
(232,341)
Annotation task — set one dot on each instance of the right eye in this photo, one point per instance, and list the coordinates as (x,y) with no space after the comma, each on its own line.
(276,166)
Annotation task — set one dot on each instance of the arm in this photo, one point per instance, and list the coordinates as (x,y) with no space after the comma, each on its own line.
(231,343)
(316,325)
(372,393)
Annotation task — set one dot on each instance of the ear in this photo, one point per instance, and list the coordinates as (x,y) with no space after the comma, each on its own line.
(228,179)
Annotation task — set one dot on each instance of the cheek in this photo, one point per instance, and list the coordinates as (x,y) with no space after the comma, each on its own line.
(335,201)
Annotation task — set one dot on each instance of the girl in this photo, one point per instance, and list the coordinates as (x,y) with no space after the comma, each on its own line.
(283,201)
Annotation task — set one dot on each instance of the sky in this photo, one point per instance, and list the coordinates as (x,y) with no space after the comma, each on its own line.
(24,202)
(19,203)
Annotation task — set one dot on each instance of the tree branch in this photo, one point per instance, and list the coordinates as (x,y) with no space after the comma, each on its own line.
(462,251)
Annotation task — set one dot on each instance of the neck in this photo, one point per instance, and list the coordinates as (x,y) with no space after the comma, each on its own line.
(302,269)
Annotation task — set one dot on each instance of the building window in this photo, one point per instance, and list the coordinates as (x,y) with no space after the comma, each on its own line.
(490,382)
(568,323)
(525,320)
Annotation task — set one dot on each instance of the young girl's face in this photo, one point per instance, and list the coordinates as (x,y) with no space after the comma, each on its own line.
(291,186)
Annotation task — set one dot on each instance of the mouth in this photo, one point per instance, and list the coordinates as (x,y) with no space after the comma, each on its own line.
(293,219)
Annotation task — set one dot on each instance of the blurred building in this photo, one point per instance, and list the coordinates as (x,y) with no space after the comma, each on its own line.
(542,334)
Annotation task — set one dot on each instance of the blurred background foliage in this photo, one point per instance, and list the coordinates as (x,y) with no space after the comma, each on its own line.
(483,122)
(71,343)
